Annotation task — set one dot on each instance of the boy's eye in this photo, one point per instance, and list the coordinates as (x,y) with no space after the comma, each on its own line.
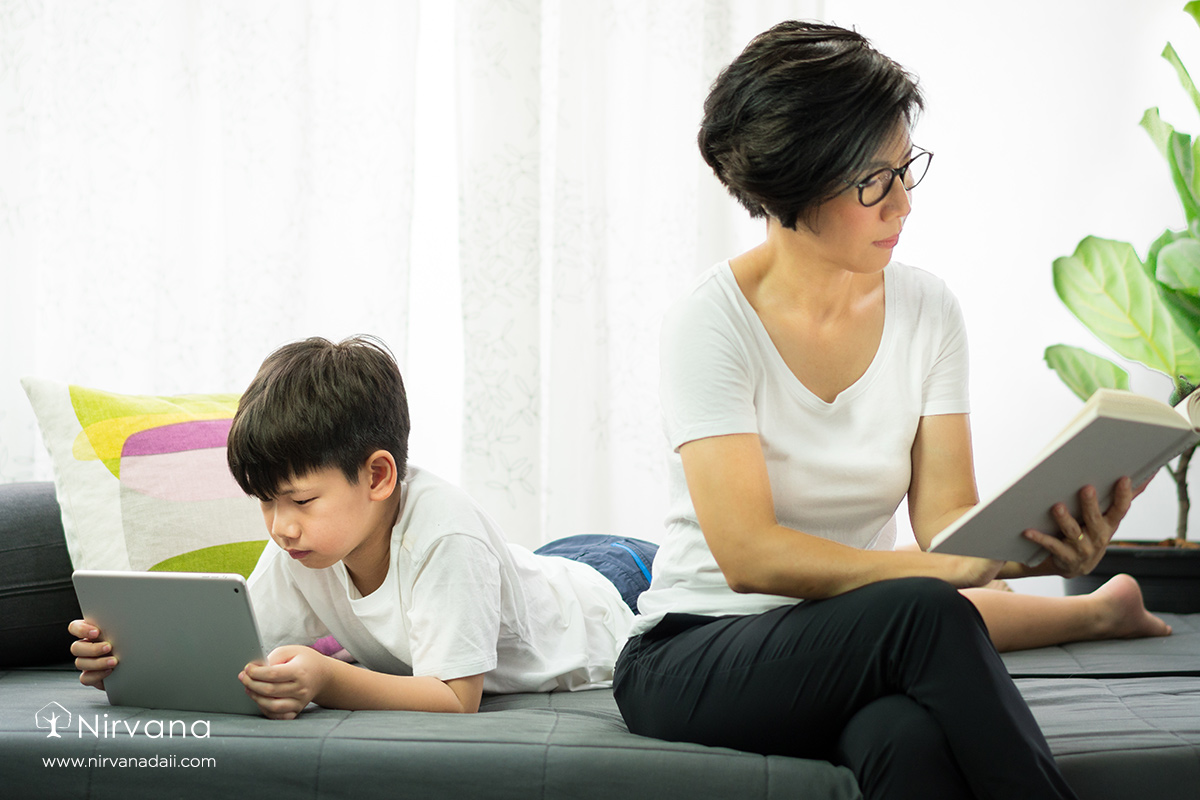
(304,502)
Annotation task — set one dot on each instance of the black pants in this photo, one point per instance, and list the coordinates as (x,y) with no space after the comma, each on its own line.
(898,681)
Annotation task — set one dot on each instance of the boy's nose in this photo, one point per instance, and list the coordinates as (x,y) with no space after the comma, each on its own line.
(282,526)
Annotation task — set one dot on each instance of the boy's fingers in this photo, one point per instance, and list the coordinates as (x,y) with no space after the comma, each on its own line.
(278,707)
(94,678)
(81,629)
(95,664)
(86,649)
(260,672)
(265,688)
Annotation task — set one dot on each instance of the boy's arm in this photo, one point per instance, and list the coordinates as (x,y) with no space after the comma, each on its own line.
(296,675)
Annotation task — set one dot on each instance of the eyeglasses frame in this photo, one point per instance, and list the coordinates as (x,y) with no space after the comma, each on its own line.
(899,171)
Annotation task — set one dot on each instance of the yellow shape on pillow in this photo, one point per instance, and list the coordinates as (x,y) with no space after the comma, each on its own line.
(109,419)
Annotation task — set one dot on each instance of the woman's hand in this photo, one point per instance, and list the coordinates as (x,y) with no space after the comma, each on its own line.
(1083,542)
(93,656)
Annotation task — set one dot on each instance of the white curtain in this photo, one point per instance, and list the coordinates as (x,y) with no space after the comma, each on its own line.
(185,185)
(584,211)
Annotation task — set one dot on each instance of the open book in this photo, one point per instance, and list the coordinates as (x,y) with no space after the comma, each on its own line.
(1116,434)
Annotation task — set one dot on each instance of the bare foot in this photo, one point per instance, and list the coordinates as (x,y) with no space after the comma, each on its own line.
(1123,615)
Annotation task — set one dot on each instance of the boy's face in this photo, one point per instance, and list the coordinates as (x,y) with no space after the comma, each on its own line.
(321,518)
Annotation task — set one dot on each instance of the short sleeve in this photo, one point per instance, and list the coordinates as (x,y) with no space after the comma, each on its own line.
(706,381)
(454,617)
(946,386)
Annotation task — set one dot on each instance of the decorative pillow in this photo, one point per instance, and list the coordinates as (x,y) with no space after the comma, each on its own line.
(142,480)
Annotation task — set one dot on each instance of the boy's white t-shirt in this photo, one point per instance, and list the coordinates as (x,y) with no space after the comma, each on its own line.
(458,600)
(837,470)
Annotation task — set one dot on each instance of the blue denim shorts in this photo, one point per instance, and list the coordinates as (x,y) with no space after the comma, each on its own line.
(626,562)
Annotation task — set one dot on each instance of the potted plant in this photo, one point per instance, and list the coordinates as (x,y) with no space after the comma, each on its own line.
(1147,312)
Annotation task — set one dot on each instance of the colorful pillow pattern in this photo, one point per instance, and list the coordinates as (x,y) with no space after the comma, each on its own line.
(142,480)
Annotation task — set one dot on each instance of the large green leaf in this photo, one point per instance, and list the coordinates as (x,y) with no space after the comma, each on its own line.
(1183,173)
(1178,265)
(1185,309)
(1184,78)
(1182,155)
(1184,306)
(1085,372)
(1160,131)
(1156,247)
(1105,285)
(1193,8)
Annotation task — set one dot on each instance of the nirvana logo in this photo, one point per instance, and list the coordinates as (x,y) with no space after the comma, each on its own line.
(58,721)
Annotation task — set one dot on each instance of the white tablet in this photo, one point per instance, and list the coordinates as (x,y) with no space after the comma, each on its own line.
(180,638)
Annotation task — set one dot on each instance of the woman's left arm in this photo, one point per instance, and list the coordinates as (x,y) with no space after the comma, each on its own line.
(943,488)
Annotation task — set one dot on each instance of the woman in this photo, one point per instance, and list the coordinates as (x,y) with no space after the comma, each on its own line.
(808,386)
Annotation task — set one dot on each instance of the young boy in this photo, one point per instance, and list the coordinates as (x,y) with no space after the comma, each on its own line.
(407,573)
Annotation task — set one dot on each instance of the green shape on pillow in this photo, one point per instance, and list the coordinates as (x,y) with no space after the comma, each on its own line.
(239,557)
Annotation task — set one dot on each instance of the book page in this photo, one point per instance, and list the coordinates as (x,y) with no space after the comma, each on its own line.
(1190,408)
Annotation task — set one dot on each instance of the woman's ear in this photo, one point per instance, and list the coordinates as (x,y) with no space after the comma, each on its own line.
(382,475)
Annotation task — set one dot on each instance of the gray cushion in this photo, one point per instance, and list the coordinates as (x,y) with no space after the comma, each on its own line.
(37,599)
(1177,654)
(559,746)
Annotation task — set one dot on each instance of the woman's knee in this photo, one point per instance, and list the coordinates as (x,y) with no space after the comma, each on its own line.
(906,611)
(925,595)
(895,747)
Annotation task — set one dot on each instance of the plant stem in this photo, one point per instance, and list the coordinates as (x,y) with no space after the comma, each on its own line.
(1181,492)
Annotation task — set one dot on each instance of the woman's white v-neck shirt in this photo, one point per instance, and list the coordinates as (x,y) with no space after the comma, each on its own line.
(837,470)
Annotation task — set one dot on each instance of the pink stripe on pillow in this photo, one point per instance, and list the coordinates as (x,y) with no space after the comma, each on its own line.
(195,435)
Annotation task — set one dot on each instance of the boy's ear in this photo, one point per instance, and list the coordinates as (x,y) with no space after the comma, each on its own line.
(382,475)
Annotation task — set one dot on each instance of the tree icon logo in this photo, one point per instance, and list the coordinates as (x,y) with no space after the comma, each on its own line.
(52,716)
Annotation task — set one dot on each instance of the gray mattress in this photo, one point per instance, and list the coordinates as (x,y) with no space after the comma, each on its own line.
(1177,654)
(570,745)
(1123,719)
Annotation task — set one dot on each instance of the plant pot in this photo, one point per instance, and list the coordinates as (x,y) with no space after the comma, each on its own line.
(1169,576)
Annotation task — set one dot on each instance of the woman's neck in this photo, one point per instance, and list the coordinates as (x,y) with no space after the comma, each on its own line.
(784,272)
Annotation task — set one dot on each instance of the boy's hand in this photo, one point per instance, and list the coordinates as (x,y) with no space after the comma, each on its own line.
(93,656)
(291,678)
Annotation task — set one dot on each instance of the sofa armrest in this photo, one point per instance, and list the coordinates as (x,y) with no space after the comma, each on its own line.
(37,599)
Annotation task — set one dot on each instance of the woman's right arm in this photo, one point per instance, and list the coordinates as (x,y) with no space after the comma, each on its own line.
(731,493)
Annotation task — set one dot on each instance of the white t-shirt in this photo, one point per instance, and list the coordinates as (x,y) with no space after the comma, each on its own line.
(837,470)
(458,600)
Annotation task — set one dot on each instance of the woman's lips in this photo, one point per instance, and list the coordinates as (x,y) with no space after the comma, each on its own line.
(888,243)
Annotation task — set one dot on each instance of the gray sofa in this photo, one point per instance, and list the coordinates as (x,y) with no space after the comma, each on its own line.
(1122,718)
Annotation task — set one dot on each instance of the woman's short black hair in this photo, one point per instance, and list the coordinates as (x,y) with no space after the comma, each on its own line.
(804,108)
(315,404)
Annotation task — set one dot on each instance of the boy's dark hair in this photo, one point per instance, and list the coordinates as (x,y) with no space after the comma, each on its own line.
(315,404)
(804,108)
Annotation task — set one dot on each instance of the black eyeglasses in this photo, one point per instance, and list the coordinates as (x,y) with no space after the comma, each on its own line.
(873,188)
